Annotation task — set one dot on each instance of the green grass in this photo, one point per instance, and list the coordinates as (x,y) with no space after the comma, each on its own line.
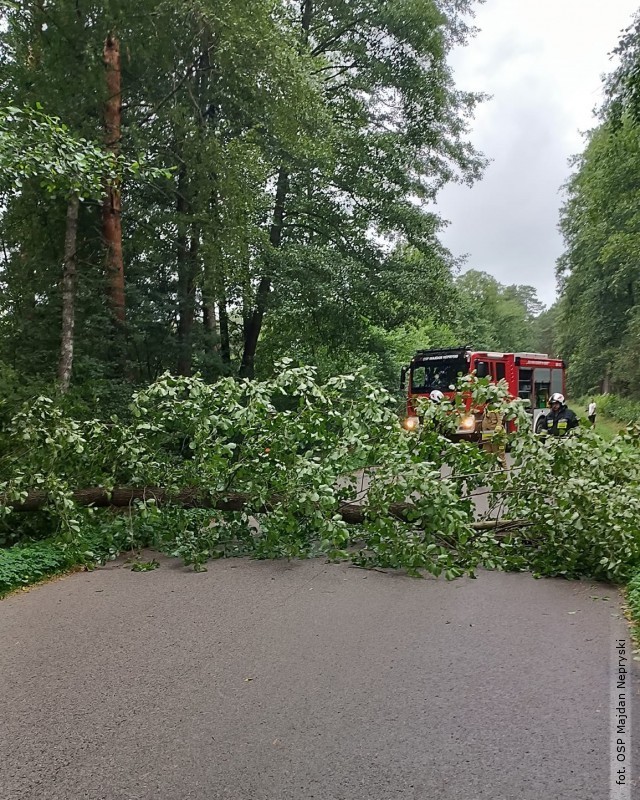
(633,603)
(606,426)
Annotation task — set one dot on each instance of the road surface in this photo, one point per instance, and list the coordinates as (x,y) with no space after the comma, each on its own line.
(288,681)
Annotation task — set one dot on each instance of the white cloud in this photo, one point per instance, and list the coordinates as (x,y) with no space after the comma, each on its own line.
(542,61)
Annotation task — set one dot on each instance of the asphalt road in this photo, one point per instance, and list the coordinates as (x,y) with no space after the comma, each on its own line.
(288,681)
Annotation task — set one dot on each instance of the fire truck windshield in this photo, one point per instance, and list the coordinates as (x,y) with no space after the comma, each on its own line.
(442,375)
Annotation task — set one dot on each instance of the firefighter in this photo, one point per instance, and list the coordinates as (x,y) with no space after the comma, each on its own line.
(492,431)
(560,420)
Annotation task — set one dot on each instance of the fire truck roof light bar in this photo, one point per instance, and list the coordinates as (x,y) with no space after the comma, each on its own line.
(445,351)
(465,352)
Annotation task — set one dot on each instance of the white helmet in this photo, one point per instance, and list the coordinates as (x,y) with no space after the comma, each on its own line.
(556,398)
(436,396)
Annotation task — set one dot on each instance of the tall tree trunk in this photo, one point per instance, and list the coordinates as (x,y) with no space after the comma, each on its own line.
(187,303)
(209,321)
(65,363)
(253,324)
(307,16)
(182,250)
(213,286)
(225,343)
(112,206)
(34,53)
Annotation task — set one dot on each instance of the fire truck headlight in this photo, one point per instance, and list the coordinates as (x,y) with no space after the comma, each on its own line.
(411,423)
(468,423)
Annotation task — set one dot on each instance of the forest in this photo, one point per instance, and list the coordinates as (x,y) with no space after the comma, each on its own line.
(206,187)
(596,322)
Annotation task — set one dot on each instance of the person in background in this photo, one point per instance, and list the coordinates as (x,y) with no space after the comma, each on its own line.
(591,413)
(560,420)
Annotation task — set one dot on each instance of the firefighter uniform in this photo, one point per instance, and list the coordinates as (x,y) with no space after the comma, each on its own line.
(492,429)
(559,423)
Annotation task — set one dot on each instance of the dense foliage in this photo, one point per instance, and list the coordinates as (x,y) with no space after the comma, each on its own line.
(598,319)
(633,599)
(622,410)
(298,450)
(22,566)
(296,149)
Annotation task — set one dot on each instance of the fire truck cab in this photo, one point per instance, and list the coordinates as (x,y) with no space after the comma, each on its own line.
(533,377)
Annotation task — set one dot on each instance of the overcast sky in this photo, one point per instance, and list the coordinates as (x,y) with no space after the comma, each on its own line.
(541,60)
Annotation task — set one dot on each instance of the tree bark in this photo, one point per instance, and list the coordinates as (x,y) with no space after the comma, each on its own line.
(112,206)
(307,17)
(253,324)
(191,497)
(34,56)
(186,255)
(187,303)
(225,342)
(65,363)
(209,320)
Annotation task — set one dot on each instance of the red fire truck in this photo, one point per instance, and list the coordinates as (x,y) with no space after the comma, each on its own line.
(530,376)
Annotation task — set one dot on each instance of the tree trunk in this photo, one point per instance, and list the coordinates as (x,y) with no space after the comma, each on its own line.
(192,497)
(225,343)
(65,364)
(112,206)
(34,52)
(210,323)
(187,303)
(182,258)
(307,16)
(209,320)
(253,324)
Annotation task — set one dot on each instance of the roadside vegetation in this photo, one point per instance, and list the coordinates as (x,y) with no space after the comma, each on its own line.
(633,602)
(270,469)
(614,414)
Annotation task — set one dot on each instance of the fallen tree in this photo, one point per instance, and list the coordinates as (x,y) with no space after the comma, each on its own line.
(258,468)
(193,497)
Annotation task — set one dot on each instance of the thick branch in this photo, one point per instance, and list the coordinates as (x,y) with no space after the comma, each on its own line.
(65,363)
(322,47)
(253,325)
(121,497)
(112,205)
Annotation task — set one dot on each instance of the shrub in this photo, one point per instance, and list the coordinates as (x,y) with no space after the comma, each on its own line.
(23,565)
(621,409)
(633,599)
